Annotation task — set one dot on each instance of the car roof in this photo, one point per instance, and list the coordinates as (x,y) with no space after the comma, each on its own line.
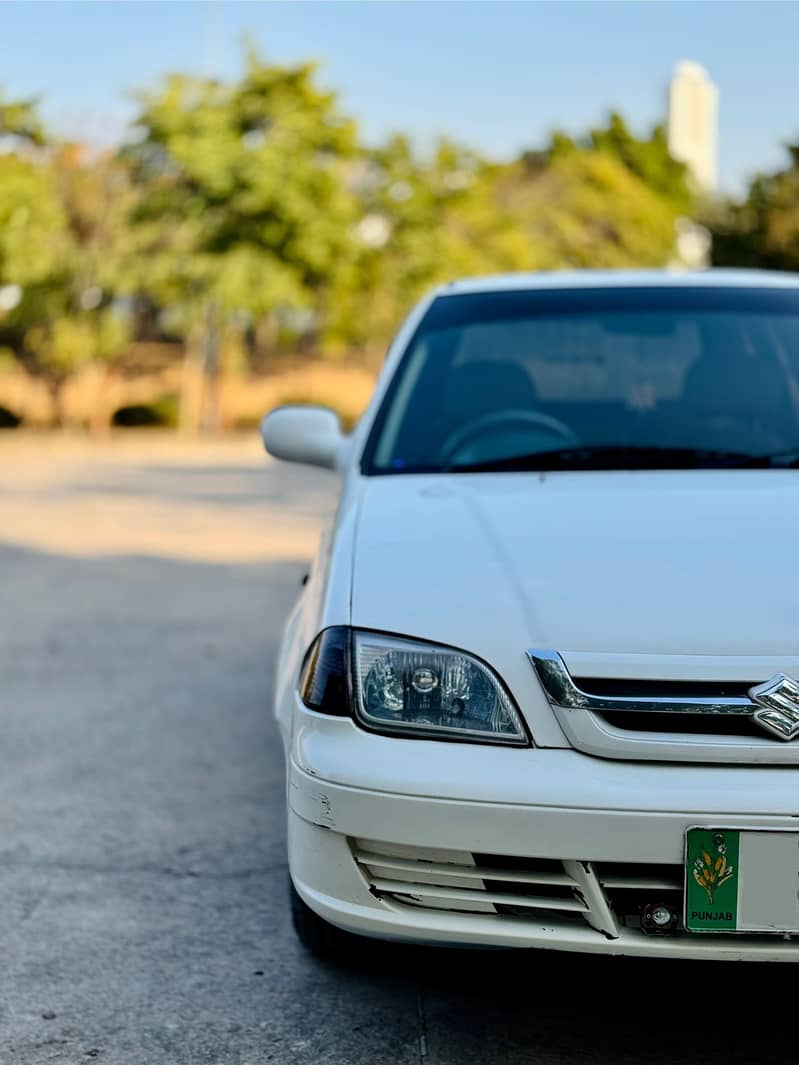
(713,278)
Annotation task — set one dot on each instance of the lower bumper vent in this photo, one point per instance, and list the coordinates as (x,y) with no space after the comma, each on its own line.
(607,896)
(468,883)
(630,887)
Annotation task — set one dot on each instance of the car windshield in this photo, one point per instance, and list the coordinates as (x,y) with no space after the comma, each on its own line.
(615,378)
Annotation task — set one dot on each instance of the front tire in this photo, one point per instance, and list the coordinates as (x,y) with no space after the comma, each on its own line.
(317,935)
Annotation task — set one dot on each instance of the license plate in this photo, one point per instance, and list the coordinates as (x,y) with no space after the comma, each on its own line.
(741,881)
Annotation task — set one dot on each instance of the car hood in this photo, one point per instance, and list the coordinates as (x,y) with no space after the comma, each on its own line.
(652,563)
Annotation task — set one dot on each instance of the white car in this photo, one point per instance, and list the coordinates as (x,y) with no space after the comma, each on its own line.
(537,689)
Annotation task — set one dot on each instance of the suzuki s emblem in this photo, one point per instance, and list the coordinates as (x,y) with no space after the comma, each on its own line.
(778,699)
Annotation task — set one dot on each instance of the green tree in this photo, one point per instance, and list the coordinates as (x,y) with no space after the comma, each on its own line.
(649,159)
(246,217)
(606,199)
(763,230)
(585,208)
(68,317)
(413,230)
(62,230)
(20,120)
(244,214)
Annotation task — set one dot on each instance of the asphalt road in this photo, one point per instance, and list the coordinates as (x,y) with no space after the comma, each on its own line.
(142,861)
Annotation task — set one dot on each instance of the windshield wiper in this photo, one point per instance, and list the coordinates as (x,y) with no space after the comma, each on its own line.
(619,457)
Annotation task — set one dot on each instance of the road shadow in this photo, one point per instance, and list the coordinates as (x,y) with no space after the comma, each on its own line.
(518,1006)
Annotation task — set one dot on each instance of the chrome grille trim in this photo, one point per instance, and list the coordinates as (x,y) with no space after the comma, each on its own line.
(561,691)
(701,729)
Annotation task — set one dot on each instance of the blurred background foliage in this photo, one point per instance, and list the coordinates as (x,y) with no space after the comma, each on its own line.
(244,229)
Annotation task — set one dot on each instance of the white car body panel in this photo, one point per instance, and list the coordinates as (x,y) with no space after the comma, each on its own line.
(634,574)
(336,751)
(588,562)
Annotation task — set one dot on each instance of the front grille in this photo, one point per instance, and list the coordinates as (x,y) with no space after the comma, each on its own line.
(628,688)
(605,896)
(673,722)
(694,720)
(683,724)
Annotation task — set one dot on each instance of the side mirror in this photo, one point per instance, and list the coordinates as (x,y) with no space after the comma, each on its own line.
(303,434)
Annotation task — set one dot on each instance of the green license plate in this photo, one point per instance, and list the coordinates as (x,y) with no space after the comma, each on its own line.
(741,881)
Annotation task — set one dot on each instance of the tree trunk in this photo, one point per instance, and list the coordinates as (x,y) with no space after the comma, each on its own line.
(100,418)
(191,384)
(210,421)
(199,398)
(55,386)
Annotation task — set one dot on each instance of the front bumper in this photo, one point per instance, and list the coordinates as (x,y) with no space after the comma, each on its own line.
(563,826)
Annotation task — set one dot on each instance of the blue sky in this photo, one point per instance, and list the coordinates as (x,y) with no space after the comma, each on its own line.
(497,75)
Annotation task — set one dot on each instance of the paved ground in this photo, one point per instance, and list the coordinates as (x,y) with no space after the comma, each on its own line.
(142,864)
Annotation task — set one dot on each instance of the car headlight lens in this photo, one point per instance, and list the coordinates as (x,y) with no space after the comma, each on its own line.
(402,686)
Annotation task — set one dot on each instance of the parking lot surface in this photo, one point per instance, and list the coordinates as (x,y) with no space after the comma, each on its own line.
(142,861)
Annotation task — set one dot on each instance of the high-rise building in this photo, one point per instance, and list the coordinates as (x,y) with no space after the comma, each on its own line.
(693,115)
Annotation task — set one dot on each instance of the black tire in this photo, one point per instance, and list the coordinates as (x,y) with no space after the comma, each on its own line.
(317,935)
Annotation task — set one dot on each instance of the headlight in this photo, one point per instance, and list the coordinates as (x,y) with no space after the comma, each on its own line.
(402,686)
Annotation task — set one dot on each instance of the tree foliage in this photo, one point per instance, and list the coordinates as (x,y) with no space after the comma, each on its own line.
(587,209)
(245,201)
(20,121)
(62,232)
(763,230)
(248,214)
(648,158)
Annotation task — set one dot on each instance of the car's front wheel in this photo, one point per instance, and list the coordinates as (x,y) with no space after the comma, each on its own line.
(316,934)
